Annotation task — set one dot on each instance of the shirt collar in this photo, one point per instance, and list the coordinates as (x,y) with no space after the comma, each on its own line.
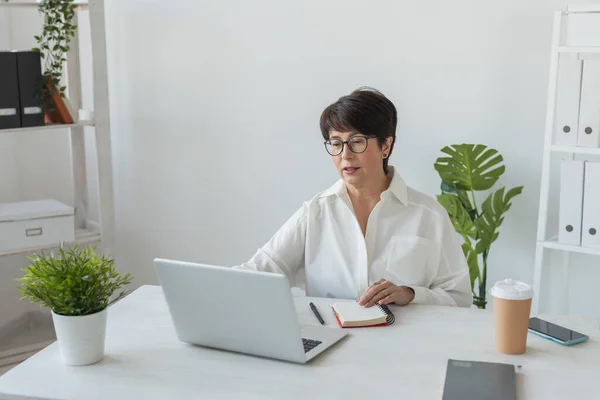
(397,187)
(338,188)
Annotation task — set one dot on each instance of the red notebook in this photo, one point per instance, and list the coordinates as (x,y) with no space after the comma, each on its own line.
(353,315)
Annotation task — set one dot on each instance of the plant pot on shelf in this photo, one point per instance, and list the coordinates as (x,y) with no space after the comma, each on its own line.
(81,338)
(55,106)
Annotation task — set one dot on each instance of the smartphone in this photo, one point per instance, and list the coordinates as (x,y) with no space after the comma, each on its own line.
(555,332)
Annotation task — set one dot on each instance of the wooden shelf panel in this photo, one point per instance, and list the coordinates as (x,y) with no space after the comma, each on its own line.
(47,127)
(576,150)
(553,244)
(82,237)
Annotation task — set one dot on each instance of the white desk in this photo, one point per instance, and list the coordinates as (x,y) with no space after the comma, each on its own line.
(144,360)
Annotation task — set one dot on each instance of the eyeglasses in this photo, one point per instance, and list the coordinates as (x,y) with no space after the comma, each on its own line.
(356,144)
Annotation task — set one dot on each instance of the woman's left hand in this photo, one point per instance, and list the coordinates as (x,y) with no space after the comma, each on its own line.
(385,292)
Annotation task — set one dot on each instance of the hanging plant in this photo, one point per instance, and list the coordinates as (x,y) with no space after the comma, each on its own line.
(53,45)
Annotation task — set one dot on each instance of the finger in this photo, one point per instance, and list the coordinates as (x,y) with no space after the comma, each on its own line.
(386,290)
(371,291)
(399,297)
(383,294)
(373,288)
(389,299)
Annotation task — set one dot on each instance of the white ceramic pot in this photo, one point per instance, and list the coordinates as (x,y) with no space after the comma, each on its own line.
(81,338)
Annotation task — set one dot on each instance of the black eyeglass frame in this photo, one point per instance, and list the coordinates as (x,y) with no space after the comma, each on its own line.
(347,142)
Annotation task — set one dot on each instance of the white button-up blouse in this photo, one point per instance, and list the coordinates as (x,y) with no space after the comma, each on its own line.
(409,241)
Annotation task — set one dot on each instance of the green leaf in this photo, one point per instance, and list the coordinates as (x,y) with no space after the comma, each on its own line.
(472,262)
(458,215)
(492,216)
(447,188)
(469,166)
(462,195)
(73,282)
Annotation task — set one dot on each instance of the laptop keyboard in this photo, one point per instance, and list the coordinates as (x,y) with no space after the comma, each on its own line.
(310,344)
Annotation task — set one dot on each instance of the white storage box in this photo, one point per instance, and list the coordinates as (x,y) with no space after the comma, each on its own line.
(33,224)
(582,29)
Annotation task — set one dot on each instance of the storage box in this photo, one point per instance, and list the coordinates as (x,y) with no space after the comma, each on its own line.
(34,224)
(582,30)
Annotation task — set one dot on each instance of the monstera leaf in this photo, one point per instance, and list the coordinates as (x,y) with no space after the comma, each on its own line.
(463,196)
(462,222)
(469,167)
(472,262)
(492,217)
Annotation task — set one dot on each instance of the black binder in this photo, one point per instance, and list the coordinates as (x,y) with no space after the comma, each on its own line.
(29,67)
(10,117)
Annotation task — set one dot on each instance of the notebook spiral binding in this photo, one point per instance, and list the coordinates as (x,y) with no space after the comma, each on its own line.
(391,318)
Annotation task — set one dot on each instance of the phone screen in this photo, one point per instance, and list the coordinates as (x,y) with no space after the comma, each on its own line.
(553,330)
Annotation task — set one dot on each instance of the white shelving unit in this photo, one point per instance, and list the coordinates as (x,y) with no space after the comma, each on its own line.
(84,228)
(47,127)
(588,50)
(575,150)
(34,335)
(544,241)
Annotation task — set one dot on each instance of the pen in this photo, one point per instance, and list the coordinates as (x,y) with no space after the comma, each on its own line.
(314,310)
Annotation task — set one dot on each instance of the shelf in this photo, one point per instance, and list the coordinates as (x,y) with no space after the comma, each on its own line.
(589,8)
(566,49)
(553,244)
(82,237)
(33,4)
(47,127)
(576,150)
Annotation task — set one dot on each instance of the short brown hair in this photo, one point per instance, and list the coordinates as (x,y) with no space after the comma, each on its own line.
(366,111)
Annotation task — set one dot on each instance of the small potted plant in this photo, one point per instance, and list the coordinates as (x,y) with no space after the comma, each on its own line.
(78,286)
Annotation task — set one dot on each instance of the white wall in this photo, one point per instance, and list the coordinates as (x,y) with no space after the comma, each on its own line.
(215,109)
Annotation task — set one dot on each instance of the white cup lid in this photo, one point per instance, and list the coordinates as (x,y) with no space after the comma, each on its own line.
(511,290)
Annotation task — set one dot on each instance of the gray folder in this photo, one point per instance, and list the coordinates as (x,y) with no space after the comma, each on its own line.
(471,380)
(29,64)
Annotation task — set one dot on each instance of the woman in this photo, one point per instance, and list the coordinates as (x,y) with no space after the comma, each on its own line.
(369,237)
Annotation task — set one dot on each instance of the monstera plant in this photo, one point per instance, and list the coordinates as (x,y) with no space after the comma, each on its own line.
(465,169)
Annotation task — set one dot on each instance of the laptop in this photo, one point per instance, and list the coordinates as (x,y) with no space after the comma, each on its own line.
(243,311)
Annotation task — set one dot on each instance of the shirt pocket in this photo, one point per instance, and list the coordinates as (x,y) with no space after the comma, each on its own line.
(408,259)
